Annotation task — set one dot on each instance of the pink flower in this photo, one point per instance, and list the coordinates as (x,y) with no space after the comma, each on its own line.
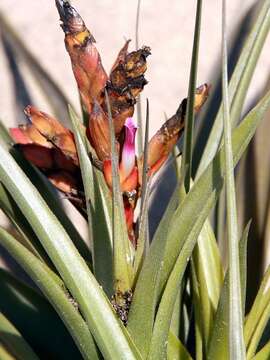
(128,171)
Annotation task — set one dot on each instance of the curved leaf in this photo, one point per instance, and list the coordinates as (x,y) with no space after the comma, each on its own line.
(54,293)
(27,309)
(98,222)
(158,347)
(14,341)
(151,279)
(92,301)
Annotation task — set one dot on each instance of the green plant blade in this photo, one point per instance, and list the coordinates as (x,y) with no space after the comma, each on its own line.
(81,283)
(264,353)
(142,311)
(243,264)
(258,316)
(176,350)
(122,247)
(14,341)
(27,236)
(240,81)
(209,273)
(189,120)
(98,223)
(218,344)
(236,339)
(27,310)
(158,347)
(54,293)
(5,354)
(49,194)
(151,280)
(143,238)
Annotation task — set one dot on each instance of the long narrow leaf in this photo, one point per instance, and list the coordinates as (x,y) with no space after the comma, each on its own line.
(122,255)
(54,293)
(98,224)
(240,80)
(218,345)
(255,321)
(176,350)
(264,353)
(208,269)
(27,309)
(93,303)
(189,120)
(151,280)
(14,341)
(158,347)
(236,338)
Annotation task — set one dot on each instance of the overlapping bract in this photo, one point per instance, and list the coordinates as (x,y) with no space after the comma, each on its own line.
(51,147)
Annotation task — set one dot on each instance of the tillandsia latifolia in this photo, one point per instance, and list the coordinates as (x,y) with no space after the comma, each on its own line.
(51,147)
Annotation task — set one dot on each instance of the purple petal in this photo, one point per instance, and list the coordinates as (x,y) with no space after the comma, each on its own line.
(128,152)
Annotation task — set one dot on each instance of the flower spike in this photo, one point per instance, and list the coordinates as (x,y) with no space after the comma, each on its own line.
(86,63)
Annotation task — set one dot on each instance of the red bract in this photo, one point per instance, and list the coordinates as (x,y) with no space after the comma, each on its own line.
(47,144)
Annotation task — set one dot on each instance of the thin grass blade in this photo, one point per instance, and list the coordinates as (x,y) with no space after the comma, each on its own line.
(236,339)
(189,120)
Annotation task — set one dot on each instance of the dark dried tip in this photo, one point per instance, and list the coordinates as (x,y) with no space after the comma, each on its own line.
(146,51)
(71,20)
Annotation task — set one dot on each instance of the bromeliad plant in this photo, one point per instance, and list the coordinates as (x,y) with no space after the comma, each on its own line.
(126,296)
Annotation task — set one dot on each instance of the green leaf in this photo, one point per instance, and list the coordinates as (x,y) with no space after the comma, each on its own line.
(105,327)
(142,310)
(27,310)
(5,354)
(158,347)
(143,238)
(218,346)
(209,273)
(243,264)
(236,339)
(98,222)
(14,341)
(152,280)
(240,81)
(48,193)
(26,234)
(264,353)
(176,350)
(122,247)
(189,120)
(258,316)
(40,274)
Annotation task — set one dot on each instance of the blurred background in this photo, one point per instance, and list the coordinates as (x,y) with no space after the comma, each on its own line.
(35,68)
